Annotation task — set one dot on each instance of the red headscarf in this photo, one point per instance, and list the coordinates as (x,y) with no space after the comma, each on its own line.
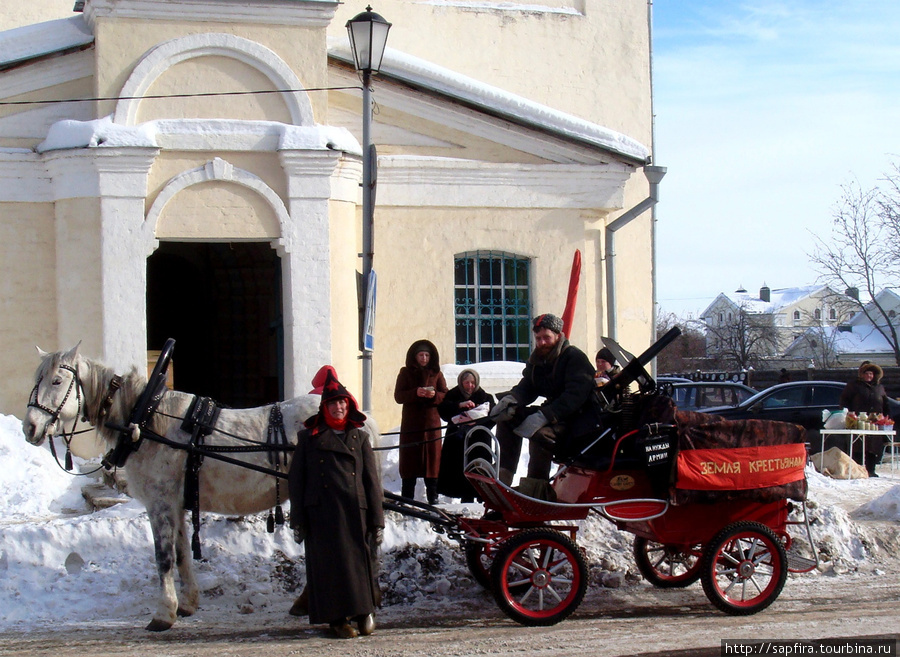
(333,389)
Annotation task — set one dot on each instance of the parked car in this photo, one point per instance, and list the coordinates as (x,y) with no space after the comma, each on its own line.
(799,402)
(700,395)
(665,379)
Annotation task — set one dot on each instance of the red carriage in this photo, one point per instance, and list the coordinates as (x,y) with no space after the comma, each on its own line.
(705,499)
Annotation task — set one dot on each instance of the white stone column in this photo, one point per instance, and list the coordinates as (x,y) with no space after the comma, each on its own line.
(111,259)
(305,250)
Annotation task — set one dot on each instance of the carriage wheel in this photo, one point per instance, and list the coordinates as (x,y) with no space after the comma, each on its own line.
(667,566)
(744,568)
(539,577)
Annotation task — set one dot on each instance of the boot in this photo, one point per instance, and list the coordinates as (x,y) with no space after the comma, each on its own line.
(408,488)
(506,476)
(301,604)
(366,624)
(343,629)
(537,488)
(431,493)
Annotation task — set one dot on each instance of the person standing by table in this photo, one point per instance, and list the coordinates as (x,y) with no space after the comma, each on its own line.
(865,394)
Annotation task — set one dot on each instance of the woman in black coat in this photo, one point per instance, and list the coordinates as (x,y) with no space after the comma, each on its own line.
(465,396)
(336,509)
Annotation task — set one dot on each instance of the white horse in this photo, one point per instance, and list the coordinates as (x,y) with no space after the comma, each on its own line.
(69,385)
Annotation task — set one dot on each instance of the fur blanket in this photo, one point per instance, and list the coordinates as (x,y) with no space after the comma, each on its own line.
(755,442)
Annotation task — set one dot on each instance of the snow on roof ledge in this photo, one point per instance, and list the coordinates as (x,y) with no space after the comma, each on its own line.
(24,43)
(69,134)
(422,73)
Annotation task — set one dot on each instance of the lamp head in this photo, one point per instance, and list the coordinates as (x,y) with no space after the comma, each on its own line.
(368,38)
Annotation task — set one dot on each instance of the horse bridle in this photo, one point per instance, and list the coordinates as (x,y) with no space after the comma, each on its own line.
(34,402)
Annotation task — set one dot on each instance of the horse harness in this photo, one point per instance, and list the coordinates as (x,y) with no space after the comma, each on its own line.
(75,384)
(200,421)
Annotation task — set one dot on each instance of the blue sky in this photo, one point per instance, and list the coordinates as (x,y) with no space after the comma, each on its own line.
(763,110)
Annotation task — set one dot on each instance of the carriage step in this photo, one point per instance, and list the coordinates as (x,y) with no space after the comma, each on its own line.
(798,564)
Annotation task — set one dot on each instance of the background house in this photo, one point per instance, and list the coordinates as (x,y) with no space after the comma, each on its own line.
(770,323)
(149,205)
(870,334)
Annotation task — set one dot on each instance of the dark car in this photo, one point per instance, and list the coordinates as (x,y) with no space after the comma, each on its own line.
(700,395)
(798,402)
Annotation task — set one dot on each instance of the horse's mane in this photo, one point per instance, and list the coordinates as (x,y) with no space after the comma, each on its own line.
(95,379)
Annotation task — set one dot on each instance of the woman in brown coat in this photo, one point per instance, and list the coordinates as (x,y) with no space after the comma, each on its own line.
(420,388)
(336,509)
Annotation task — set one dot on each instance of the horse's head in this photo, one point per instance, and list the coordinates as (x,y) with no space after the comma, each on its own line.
(57,397)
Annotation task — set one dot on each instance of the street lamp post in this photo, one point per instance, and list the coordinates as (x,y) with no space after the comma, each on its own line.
(368,37)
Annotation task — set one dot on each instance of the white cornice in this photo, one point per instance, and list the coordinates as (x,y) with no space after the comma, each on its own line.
(23,178)
(436,182)
(293,13)
(47,73)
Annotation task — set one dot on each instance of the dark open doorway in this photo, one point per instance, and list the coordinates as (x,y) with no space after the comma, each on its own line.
(222,304)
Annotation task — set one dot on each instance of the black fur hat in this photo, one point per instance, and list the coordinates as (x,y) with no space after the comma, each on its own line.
(547,321)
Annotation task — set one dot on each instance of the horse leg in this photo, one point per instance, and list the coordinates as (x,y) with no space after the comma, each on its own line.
(190,593)
(163,525)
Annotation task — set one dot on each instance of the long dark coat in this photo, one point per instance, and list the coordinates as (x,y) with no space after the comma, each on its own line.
(451,480)
(419,419)
(336,500)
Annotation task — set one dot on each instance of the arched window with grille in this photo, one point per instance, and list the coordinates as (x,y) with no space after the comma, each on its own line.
(492,307)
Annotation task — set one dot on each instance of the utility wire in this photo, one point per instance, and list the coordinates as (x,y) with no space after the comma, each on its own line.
(159,96)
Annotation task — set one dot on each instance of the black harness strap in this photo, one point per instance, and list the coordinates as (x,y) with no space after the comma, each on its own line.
(200,421)
(277,440)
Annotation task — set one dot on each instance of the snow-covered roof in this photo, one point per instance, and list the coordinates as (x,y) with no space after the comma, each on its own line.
(887,299)
(859,340)
(778,299)
(34,41)
(438,79)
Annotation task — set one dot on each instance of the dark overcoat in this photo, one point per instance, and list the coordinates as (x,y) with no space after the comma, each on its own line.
(565,379)
(336,501)
(420,422)
(451,480)
(861,396)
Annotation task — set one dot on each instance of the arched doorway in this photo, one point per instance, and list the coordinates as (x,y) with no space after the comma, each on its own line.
(222,304)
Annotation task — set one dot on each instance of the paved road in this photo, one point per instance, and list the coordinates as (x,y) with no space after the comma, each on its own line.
(637,620)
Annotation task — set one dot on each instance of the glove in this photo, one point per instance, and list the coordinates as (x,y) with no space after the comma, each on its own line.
(504,410)
(531,424)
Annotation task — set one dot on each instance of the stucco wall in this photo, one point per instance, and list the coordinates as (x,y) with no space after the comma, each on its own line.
(27,297)
(122,42)
(594,58)
(414,259)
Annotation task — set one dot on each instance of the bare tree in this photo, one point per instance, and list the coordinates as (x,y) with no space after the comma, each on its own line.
(746,339)
(862,252)
(681,355)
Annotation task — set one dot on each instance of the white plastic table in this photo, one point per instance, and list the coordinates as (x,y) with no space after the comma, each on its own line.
(855,435)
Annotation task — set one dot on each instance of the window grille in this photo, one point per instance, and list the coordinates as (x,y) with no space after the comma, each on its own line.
(492,307)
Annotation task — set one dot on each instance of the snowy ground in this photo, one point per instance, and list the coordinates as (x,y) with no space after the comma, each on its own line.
(61,565)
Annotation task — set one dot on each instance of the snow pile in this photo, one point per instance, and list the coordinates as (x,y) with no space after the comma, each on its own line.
(60,564)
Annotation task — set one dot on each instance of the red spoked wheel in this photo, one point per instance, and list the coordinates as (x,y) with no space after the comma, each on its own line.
(667,566)
(744,568)
(539,577)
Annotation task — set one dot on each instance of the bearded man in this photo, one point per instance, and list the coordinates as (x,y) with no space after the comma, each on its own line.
(564,376)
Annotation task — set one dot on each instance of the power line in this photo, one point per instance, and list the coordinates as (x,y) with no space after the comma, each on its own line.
(160,96)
